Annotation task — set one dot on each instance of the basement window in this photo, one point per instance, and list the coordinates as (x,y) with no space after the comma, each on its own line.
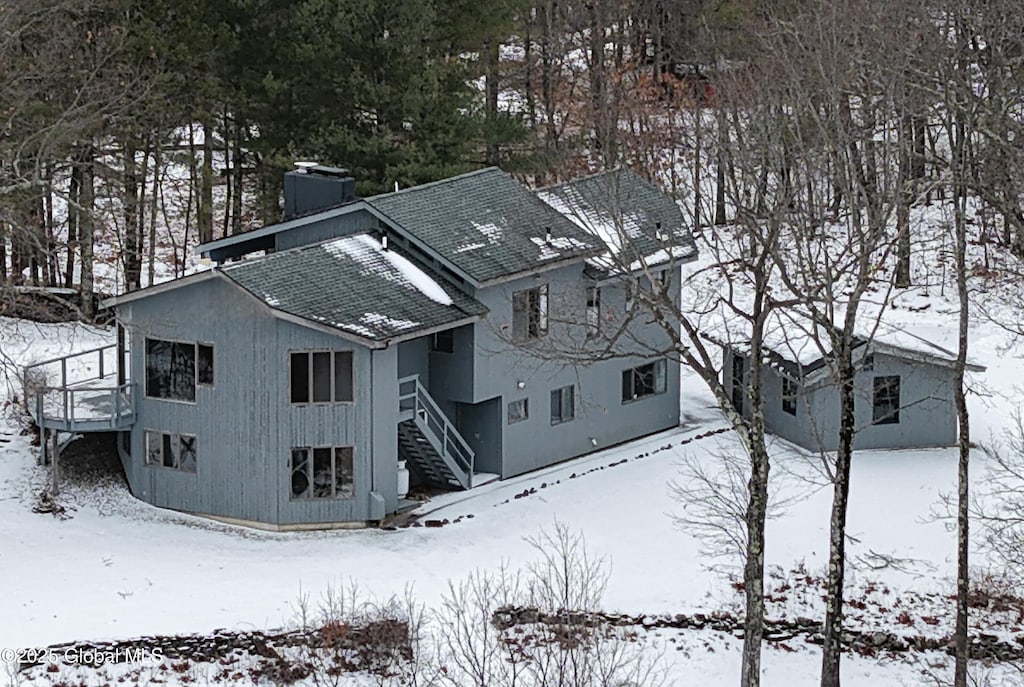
(530,313)
(563,405)
(171,451)
(322,472)
(518,410)
(789,392)
(886,408)
(175,368)
(321,377)
(643,381)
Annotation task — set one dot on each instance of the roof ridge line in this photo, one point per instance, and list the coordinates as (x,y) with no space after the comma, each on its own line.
(431,184)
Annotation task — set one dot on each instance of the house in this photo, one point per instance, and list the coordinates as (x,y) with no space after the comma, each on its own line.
(282,387)
(903,388)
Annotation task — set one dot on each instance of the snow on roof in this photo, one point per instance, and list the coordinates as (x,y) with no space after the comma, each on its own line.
(613,229)
(406,273)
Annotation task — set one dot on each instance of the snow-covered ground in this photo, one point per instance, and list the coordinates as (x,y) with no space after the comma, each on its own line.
(118,568)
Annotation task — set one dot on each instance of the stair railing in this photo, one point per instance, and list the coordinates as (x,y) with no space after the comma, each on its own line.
(414,402)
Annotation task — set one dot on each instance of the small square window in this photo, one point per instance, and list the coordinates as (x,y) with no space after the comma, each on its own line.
(645,380)
(443,342)
(563,405)
(518,410)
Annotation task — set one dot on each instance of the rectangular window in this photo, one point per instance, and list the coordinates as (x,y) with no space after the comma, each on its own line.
(204,364)
(789,393)
(172,451)
(321,377)
(175,368)
(530,313)
(738,386)
(518,410)
(593,310)
(443,342)
(645,380)
(869,363)
(322,472)
(563,405)
(886,409)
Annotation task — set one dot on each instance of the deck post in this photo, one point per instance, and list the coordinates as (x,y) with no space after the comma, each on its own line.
(54,463)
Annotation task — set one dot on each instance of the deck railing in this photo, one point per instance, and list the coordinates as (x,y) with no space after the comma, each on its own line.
(414,402)
(74,393)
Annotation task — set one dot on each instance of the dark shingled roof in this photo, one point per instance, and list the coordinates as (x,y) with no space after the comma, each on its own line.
(352,285)
(486,224)
(625,211)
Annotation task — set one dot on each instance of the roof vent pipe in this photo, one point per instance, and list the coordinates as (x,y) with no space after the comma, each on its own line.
(547,234)
(384,242)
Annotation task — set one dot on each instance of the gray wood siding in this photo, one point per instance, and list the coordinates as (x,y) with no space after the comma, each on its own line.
(246,425)
(499,366)
(322,230)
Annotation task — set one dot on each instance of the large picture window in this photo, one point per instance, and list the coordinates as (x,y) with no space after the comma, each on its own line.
(530,313)
(563,405)
(645,380)
(321,377)
(322,472)
(886,407)
(175,368)
(172,451)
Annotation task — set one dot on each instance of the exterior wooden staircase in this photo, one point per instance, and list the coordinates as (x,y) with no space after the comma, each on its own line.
(427,440)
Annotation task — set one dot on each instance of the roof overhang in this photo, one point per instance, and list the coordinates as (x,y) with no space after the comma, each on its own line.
(157,289)
(263,238)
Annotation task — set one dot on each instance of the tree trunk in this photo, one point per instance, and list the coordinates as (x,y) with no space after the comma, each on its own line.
(757,512)
(492,58)
(902,274)
(236,175)
(74,220)
(132,259)
(960,399)
(154,199)
(205,217)
(831,649)
(86,229)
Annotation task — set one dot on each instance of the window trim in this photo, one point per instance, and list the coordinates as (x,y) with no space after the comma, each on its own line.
(308,352)
(195,369)
(886,382)
(543,311)
(562,419)
(525,401)
(633,372)
(334,471)
(175,438)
